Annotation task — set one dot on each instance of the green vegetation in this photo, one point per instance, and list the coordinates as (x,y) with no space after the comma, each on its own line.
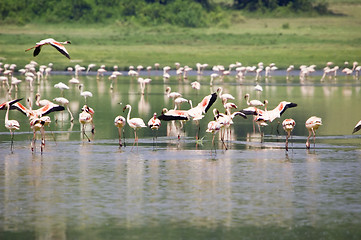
(247,39)
(183,13)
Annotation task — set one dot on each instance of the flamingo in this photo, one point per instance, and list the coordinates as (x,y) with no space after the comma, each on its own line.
(269,115)
(38,119)
(49,41)
(312,124)
(134,123)
(357,127)
(12,125)
(64,102)
(178,101)
(227,119)
(288,125)
(86,116)
(196,85)
(84,94)
(213,127)
(253,103)
(171,94)
(222,121)
(41,102)
(225,96)
(90,66)
(154,123)
(62,86)
(263,116)
(258,88)
(119,122)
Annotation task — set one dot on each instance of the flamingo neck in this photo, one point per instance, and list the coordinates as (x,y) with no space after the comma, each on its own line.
(7,113)
(247,98)
(128,116)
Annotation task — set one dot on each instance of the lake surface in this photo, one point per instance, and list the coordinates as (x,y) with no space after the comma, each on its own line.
(185,189)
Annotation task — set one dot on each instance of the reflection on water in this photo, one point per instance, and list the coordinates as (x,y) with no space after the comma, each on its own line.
(180,188)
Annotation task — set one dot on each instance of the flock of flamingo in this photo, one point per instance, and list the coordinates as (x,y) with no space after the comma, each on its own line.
(38,118)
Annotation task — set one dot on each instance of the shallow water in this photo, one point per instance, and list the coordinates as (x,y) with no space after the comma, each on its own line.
(185,189)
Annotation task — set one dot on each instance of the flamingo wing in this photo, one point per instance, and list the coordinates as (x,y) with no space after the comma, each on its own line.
(250,111)
(37,50)
(49,108)
(174,115)
(239,114)
(3,105)
(59,47)
(357,127)
(18,106)
(207,102)
(283,106)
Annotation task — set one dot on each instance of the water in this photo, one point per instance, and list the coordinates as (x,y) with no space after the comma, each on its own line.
(184,189)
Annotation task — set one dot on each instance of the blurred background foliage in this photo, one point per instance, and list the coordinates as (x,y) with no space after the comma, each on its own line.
(182,13)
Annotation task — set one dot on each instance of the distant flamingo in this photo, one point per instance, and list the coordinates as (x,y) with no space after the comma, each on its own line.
(154,124)
(41,102)
(49,41)
(224,96)
(84,94)
(253,103)
(312,124)
(288,125)
(62,86)
(171,94)
(64,102)
(134,123)
(196,85)
(119,122)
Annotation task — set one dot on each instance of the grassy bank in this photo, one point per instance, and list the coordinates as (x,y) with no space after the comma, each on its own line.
(283,41)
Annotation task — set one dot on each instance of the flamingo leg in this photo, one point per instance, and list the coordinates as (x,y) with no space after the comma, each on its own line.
(120,137)
(33,142)
(308,140)
(42,131)
(124,138)
(71,115)
(84,134)
(135,137)
(288,135)
(12,141)
(314,138)
(93,127)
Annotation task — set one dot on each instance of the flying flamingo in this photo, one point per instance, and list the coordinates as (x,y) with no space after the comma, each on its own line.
(49,41)
(154,124)
(288,125)
(10,124)
(134,123)
(119,122)
(357,127)
(312,124)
